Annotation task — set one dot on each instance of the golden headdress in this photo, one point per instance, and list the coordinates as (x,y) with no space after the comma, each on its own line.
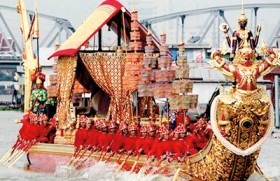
(242,16)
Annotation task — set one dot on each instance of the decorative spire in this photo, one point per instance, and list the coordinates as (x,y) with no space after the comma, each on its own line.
(134,8)
(242,16)
(242,8)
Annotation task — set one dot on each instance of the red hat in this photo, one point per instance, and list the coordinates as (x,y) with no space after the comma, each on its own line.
(151,128)
(103,124)
(132,127)
(143,129)
(123,126)
(112,125)
(163,130)
(97,123)
(180,129)
(43,117)
(33,116)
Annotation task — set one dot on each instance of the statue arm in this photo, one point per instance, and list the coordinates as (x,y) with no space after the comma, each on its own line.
(224,27)
(228,39)
(234,45)
(218,62)
(269,63)
(252,41)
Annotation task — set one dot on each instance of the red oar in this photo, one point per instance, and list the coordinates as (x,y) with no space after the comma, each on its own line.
(75,155)
(112,154)
(22,153)
(135,163)
(89,155)
(120,167)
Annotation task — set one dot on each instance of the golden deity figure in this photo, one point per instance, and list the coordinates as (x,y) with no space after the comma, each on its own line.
(241,36)
(241,118)
(246,72)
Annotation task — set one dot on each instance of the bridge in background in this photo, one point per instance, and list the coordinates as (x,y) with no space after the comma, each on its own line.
(214,16)
(52,29)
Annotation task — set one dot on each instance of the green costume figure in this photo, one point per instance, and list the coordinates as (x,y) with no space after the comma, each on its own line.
(39,96)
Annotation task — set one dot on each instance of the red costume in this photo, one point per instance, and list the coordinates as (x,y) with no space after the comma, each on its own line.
(80,137)
(47,134)
(140,142)
(25,127)
(161,147)
(119,139)
(92,138)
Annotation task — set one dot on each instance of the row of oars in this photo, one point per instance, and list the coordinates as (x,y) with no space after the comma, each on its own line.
(16,152)
(77,161)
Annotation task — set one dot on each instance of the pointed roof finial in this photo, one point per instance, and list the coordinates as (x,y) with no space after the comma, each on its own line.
(242,16)
(134,8)
(242,7)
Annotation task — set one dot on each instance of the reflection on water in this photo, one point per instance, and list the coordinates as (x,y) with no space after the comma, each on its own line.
(269,161)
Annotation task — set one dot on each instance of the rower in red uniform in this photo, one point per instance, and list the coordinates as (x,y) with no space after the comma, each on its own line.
(94,134)
(181,118)
(33,130)
(140,142)
(81,133)
(121,136)
(129,144)
(111,135)
(25,127)
(161,148)
(103,142)
(22,136)
(149,141)
(179,148)
(200,136)
(47,133)
(90,132)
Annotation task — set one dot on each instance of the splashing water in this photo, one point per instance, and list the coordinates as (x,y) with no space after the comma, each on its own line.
(102,171)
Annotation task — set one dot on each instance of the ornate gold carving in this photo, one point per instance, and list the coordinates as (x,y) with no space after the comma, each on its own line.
(66,75)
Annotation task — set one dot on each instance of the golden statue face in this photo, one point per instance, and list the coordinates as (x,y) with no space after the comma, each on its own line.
(247,55)
(242,21)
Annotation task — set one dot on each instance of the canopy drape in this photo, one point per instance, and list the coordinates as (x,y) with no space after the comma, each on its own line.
(66,76)
(107,70)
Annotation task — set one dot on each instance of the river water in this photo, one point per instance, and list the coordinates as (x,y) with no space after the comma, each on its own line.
(269,161)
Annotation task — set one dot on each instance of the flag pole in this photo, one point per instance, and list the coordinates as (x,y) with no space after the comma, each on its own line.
(37,42)
(36,34)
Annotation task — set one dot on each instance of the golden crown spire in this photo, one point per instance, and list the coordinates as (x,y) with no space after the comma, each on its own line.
(242,7)
(242,16)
